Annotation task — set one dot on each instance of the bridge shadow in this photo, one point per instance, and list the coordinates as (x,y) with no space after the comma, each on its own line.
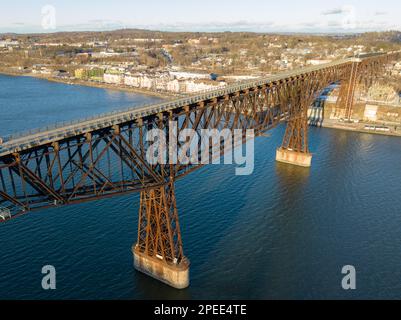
(289,174)
(149,287)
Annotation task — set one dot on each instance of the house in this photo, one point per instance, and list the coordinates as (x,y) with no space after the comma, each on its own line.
(113,78)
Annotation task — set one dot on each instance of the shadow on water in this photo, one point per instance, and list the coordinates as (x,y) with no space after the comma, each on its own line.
(291,175)
(148,287)
(286,249)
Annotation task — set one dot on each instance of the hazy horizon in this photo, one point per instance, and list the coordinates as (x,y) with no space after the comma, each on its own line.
(310,16)
(331,33)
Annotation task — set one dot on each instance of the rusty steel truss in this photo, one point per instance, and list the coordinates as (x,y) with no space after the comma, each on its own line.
(95,160)
(364,72)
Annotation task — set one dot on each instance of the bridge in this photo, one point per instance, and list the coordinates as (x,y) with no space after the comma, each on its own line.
(105,156)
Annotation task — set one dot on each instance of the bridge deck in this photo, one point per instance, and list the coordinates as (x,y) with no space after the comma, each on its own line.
(37,137)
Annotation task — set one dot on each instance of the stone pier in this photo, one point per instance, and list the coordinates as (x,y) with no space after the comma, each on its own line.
(293,157)
(174,275)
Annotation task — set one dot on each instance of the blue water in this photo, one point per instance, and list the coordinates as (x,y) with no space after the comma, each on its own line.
(282,233)
(27,103)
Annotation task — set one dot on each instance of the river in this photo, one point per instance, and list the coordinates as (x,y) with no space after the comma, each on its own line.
(281,233)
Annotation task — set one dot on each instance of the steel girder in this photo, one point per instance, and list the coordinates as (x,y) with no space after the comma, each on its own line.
(111,161)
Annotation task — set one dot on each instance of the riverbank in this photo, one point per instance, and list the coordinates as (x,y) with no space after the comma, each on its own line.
(102,85)
(360,127)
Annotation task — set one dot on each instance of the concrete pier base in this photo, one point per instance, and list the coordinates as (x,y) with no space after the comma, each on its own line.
(294,158)
(174,275)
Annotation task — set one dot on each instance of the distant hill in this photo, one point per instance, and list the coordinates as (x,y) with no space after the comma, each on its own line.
(390,36)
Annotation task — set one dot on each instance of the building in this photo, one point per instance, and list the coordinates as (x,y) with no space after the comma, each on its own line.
(173,86)
(80,73)
(132,81)
(192,86)
(316,62)
(113,78)
(9,43)
(92,73)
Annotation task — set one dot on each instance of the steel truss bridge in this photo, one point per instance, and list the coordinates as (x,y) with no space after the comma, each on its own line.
(106,155)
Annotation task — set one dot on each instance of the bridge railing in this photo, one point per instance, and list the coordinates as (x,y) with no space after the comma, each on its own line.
(58,125)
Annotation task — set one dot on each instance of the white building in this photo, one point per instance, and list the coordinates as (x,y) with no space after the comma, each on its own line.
(315,62)
(113,78)
(8,43)
(132,81)
(146,82)
(192,86)
(161,82)
(173,86)
(105,54)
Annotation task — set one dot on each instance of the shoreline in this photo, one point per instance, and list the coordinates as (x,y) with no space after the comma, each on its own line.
(101,85)
(359,128)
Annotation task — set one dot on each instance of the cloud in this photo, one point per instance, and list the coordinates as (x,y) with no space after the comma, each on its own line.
(334,24)
(309,24)
(339,11)
(334,12)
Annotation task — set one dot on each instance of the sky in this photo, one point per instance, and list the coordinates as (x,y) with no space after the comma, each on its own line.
(314,16)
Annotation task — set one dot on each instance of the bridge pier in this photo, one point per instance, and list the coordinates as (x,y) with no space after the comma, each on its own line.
(294,149)
(294,157)
(174,275)
(158,251)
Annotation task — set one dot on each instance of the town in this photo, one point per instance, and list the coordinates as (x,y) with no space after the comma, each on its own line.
(178,63)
